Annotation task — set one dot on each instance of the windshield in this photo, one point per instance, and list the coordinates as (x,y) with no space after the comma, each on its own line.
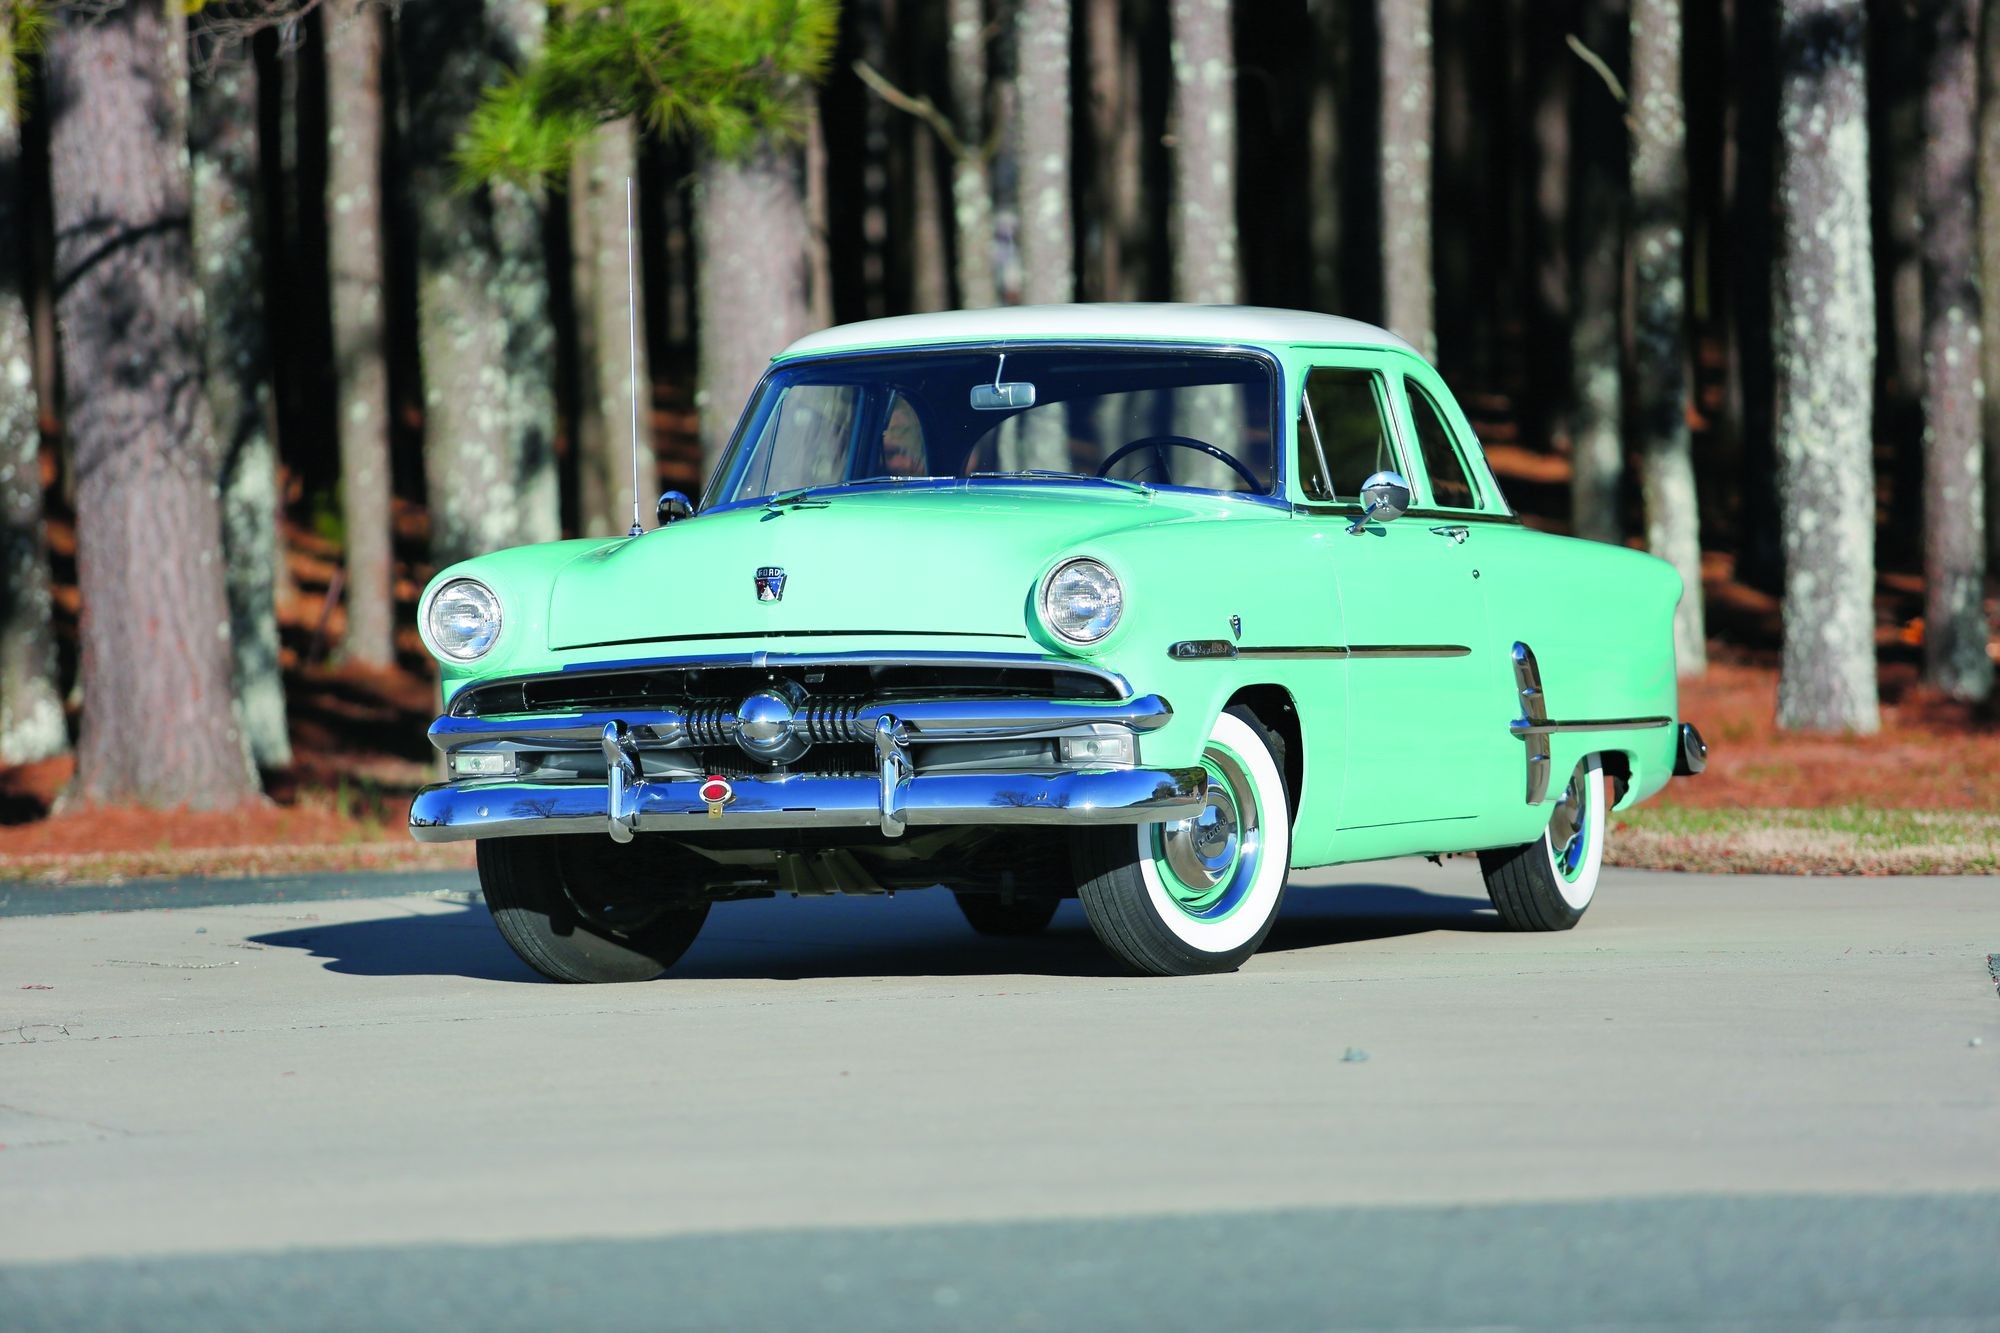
(1159,417)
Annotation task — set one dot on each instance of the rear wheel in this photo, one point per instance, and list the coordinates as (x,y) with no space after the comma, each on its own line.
(579,907)
(1548,883)
(1199,894)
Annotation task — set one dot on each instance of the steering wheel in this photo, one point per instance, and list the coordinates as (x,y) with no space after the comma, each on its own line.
(1220,455)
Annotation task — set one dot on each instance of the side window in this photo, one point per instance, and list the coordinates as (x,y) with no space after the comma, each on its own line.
(1452,486)
(1342,421)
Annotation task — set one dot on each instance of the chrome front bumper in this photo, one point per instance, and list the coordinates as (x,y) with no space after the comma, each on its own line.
(653,781)
(496,808)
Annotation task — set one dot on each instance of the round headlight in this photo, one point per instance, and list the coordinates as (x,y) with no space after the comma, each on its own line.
(464,619)
(1081,601)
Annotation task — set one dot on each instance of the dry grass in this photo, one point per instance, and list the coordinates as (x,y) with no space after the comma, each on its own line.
(1848,840)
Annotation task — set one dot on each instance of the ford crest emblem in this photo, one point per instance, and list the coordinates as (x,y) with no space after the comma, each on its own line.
(770,583)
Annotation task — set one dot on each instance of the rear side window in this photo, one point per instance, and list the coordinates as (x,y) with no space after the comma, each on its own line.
(1452,486)
(1343,424)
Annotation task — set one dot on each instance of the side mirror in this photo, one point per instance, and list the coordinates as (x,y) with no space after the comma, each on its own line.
(674,505)
(1385,497)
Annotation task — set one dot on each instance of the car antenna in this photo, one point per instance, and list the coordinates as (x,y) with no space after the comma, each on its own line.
(632,323)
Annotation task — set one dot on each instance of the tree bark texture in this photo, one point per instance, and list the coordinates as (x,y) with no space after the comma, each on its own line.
(1955,626)
(1824,330)
(360,335)
(971,180)
(751,220)
(1989,264)
(158,728)
(1206,265)
(1048,238)
(1659,315)
(1048,250)
(31,713)
(236,356)
(1408,102)
(1330,25)
(930,285)
(1597,379)
(486,339)
(604,343)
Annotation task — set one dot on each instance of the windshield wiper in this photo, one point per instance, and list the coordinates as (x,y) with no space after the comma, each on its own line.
(1051,474)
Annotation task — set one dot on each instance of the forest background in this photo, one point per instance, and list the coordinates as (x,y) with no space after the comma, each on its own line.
(303,299)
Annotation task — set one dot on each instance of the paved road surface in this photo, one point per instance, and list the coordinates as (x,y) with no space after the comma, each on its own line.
(1769,1101)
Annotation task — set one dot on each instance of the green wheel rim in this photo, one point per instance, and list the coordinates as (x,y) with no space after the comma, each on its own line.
(1208,862)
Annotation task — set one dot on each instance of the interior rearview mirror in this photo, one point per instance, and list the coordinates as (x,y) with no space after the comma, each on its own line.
(1003,396)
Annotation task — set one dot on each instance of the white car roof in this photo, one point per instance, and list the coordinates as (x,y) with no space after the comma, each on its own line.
(1159,321)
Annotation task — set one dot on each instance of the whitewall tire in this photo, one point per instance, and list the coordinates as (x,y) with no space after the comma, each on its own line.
(1200,894)
(1547,884)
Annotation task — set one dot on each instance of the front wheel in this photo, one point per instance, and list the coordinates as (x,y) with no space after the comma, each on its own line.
(1198,894)
(1546,884)
(579,907)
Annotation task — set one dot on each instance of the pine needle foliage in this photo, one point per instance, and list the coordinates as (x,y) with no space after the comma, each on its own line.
(726,73)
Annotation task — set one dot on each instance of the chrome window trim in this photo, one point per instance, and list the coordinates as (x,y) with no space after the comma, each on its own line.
(1199,650)
(1279,396)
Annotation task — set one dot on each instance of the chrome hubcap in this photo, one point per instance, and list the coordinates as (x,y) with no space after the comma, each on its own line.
(1201,848)
(1569,826)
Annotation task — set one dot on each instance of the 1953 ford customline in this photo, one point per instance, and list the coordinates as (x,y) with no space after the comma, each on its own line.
(1143,605)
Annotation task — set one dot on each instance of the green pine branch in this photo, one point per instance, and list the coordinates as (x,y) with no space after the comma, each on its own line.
(726,73)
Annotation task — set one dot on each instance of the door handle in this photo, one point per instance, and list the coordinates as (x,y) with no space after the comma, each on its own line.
(1457,532)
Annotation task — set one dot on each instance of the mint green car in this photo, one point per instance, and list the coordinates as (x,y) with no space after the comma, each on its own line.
(1143,605)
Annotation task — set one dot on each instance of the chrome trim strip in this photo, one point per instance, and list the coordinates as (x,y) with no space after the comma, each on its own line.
(1330,651)
(1381,650)
(456,812)
(1205,649)
(1534,710)
(1526,727)
(765,634)
(921,721)
(784,661)
(1195,650)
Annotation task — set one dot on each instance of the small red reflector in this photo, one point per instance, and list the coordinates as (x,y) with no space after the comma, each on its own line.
(717,791)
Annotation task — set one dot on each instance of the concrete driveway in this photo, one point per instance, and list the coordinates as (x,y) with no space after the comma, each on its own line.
(1768,1101)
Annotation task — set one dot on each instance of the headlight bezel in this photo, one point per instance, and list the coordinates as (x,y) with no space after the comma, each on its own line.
(1047,614)
(430,631)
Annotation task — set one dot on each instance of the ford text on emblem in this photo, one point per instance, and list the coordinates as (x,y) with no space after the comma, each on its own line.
(770,583)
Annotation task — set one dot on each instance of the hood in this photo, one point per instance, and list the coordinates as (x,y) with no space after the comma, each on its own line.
(953,561)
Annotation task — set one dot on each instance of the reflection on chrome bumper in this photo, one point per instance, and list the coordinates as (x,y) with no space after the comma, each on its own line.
(456,811)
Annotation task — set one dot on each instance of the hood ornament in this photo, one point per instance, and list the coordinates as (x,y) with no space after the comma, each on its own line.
(770,583)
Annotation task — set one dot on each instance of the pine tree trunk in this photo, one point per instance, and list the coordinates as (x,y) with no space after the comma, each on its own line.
(1659,315)
(1048,251)
(1204,59)
(1408,100)
(223,132)
(485,336)
(31,714)
(751,224)
(1323,149)
(1955,627)
(1824,331)
(971,184)
(1597,387)
(1048,238)
(360,336)
(930,285)
(1205,257)
(158,728)
(1989,264)
(604,343)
